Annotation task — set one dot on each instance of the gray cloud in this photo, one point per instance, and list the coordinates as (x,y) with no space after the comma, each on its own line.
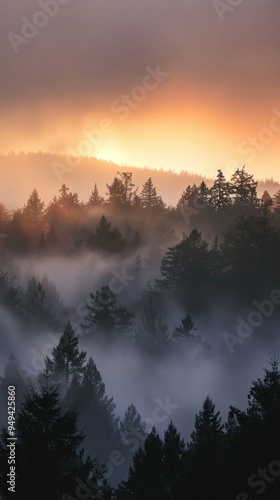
(94,50)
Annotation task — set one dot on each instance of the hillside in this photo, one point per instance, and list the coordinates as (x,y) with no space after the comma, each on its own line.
(20,173)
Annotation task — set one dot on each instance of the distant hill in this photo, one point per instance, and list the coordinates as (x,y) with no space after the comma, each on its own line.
(20,173)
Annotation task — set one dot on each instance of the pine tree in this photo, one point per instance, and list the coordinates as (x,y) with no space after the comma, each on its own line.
(173,464)
(152,333)
(204,453)
(116,193)
(244,189)
(97,411)
(133,430)
(185,332)
(107,239)
(149,198)
(186,262)
(104,316)
(189,197)
(38,312)
(95,200)
(129,192)
(34,210)
(4,217)
(145,478)
(220,197)
(49,458)
(67,360)
(254,438)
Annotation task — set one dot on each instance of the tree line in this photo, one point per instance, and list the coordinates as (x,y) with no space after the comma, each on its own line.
(237,459)
(65,224)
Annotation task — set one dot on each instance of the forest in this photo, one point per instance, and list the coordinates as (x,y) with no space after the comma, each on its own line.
(135,338)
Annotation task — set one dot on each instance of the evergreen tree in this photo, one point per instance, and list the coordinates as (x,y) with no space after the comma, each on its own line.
(38,312)
(173,464)
(97,411)
(129,193)
(220,197)
(133,430)
(4,217)
(116,193)
(149,198)
(49,458)
(34,210)
(185,332)
(20,237)
(145,478)
(253,437)
(152,333)
(95,200)
(66,360)
(105,316)
(107,239)
(188,262)
(244,189)
(189,197)
(204,454)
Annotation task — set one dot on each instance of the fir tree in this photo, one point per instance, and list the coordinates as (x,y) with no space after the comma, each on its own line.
(49,458)
(104,316)
(67,360)
(220,197)
(95,200)
(34,210)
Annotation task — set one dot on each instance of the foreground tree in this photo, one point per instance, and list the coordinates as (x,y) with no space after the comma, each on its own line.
(96,410)
(50,463)
(204,453)
(145,478)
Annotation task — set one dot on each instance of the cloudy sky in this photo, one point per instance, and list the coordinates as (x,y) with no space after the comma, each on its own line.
(179,84)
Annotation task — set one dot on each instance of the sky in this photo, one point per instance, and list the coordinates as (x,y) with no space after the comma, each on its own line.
(182,84)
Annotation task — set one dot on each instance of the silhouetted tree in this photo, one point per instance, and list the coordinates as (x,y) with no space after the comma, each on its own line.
(220,197)
(95,200)
(34,210)
(145,478)
(149,198)
(49,458)
(204,453)
(67,360)
(244,189)
(105,316)
(97,411)
(106,239)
